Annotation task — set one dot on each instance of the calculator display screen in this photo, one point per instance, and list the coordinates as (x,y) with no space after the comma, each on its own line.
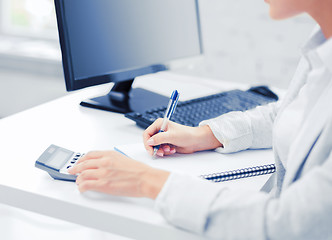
(59,159)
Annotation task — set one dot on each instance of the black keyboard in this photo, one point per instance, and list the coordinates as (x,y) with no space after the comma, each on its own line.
(193,111)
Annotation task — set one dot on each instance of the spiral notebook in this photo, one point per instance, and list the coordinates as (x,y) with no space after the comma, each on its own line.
(209,165)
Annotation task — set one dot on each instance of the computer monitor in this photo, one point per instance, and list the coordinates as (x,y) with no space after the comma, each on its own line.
(117,40)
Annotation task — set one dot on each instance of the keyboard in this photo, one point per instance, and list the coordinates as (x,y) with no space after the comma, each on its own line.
(192,112)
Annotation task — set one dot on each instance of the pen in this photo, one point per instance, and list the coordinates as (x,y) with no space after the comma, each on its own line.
(173,100)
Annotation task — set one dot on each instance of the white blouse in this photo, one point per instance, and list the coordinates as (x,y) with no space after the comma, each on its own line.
(286,126)
(218,212)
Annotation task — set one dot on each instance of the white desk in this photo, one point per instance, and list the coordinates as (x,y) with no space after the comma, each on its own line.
(24,136)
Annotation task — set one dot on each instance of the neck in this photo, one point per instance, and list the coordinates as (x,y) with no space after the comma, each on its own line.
(321,13)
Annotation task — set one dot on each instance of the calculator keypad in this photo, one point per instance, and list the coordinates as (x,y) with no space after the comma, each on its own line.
(71,162)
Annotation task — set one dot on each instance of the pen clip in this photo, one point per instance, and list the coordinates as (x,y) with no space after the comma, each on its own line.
(173,106)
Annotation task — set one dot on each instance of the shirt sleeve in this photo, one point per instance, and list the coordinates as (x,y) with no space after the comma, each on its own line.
(242,130)
(303,210)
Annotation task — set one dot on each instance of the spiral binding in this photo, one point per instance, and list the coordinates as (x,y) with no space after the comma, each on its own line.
(240,173)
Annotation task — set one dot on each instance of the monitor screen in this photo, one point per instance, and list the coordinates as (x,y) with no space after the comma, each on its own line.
(116,40)
(111,36)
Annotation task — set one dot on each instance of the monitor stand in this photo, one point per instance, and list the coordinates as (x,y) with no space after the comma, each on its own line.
(123,99)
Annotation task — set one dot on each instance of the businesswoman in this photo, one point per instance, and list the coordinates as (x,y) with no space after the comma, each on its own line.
(299,205)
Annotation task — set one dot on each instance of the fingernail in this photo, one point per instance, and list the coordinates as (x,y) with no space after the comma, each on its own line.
(160,154)
(172,151)
(150,141)
(167,149)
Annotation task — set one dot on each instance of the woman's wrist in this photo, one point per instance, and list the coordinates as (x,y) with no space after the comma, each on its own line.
(206,139)
(152,182)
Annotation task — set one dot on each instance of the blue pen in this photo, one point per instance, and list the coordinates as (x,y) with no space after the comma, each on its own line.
(173,101)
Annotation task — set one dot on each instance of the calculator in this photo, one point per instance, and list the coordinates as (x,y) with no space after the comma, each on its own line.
(56,161)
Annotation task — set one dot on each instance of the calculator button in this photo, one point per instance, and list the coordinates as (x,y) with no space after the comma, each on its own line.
(68,166)
(75,159)
(78,155)
(72,162)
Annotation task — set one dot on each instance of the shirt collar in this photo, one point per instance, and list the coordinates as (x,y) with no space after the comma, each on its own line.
(324,51)
(318,50)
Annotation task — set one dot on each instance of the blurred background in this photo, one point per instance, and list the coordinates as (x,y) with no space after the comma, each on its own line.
(30,58)
(240,44)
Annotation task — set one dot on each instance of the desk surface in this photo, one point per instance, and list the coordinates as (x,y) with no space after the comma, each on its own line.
(63,122)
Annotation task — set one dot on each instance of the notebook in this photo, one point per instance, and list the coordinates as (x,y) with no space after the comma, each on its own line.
(209,165)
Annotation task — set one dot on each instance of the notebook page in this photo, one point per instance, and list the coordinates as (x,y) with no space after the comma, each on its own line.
(199,163)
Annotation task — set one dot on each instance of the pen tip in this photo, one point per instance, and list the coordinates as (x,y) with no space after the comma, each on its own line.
(154,153)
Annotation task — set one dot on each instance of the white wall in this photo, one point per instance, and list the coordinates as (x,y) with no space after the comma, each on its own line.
(241,44)
(22,90)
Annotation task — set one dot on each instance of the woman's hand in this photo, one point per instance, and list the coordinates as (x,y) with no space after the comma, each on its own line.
(114,173)
(178,138)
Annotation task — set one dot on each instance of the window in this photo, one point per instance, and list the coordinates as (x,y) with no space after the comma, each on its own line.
(28,18)
(28,34)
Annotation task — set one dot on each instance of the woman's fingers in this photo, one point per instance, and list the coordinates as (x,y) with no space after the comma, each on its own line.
(90,174)
(84,165)
(166,149)
(152,129)
(92,185)
(149,132)
(153,137)
(161,138)
(169,150)
(114,173)
(91,155)
(182,138)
